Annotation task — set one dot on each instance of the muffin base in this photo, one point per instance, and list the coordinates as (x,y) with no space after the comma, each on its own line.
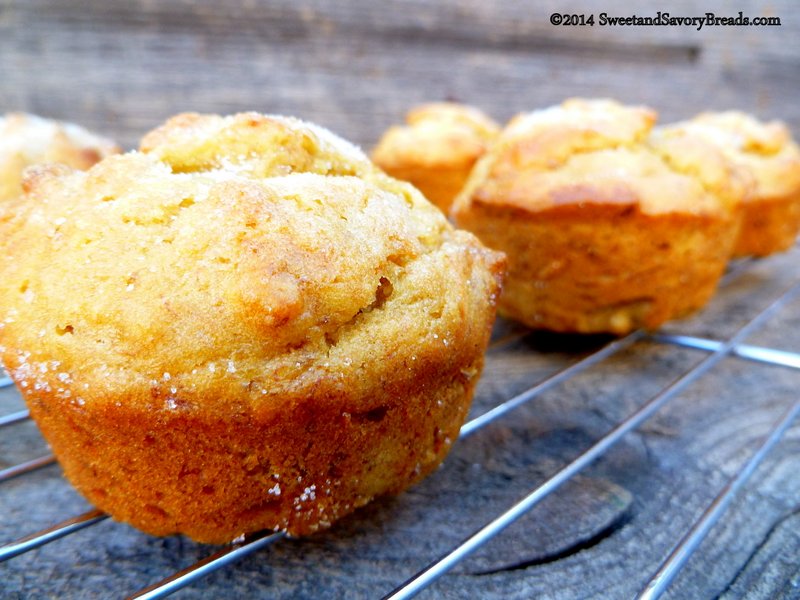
(603,268)
(769,225)
(215,477)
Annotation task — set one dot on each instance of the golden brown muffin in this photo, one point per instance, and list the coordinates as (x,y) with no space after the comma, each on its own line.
(27,140)
(605,230)
(437,148)
(246,325)
(771,213)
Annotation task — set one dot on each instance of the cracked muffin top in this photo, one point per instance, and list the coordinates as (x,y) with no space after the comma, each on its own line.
(436,149)
(231,260)
(766,150)
(27,140)
(435,134)
(600,151)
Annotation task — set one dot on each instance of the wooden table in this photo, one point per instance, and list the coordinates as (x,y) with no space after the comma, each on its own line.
(121,67)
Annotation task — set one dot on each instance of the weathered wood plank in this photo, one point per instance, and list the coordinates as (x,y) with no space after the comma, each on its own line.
(123,67)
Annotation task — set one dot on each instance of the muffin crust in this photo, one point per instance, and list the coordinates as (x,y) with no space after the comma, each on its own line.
(606,228)
(436,149)
(28,140)
(245,325)
(771,212)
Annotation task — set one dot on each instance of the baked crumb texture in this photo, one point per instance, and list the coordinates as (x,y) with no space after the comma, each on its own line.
(244,325)
(436,149)
(771,218)
(27,140)
(606,227)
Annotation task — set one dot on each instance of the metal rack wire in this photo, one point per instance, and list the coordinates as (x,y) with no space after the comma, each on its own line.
(715,351)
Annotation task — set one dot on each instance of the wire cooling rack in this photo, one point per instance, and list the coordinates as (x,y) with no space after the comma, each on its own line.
(589,466)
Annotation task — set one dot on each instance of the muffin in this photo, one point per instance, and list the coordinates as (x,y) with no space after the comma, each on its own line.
(437,148)
(26,140)
(605,228)
(771,212)
(245,325)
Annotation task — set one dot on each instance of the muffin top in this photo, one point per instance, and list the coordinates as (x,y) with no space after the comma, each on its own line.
(601,152)
(435,135)
(232,262)
(766,150)
(27,140)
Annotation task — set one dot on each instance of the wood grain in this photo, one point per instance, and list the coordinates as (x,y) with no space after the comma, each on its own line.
(121,67)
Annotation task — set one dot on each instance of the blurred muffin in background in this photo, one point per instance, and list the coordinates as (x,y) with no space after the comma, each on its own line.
(27,140)
(436,149)
(771,213)
(606,229)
